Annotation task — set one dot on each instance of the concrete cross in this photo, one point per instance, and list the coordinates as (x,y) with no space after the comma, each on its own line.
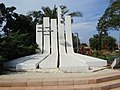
(44,30)
(43,34)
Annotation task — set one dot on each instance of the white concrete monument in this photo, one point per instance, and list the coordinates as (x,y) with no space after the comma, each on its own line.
(54,38)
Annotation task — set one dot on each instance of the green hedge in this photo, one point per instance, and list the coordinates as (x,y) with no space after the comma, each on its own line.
(109,58)
(16,45)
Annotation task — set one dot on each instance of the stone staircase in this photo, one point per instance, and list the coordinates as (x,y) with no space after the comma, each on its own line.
(109,81)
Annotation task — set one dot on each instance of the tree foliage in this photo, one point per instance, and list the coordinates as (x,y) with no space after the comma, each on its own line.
(95,42)
(52,13)
(7,16)
(110,19)
(103,42)
(47,12)
(37,16)
(16,45)
(18,37)
(75,38)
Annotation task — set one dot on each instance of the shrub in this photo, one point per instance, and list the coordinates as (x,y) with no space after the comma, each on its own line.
(16,45)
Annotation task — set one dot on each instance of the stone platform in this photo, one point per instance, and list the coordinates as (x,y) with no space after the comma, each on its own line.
(26,63)
(101,80)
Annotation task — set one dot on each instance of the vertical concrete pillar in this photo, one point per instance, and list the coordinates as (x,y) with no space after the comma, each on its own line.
(39,36)
(68,28)
(46,28)
(61,33)
(54,48)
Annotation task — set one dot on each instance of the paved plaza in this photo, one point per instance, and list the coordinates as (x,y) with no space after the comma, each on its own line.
(106,79)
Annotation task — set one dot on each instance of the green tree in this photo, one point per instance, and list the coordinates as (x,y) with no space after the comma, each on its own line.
(65,11)
(16,45)
(106,42)
(52,13)
(110,19)
(15,22)
(37,16)
(84,45)
(74,38)
(47,12)
(94,42)
(8,16)
(19,34)
(25,25)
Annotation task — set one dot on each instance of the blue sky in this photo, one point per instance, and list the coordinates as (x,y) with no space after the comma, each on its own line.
(86,26)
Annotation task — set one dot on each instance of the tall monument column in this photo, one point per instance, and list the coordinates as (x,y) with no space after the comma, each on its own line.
(61,33)
(46,29)
(68,28)
(39,36)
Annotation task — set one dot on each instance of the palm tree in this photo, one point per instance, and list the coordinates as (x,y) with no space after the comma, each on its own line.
(36,15)
(72,14)
(52,13)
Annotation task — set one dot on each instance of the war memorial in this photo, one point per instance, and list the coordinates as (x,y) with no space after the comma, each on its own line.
(54,38)
(56,66)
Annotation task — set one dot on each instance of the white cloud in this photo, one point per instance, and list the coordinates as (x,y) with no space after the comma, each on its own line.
(84,26)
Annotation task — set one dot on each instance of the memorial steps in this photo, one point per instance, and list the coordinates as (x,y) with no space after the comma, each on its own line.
(105,81)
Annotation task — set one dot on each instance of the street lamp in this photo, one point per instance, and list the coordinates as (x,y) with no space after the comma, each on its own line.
(77,42)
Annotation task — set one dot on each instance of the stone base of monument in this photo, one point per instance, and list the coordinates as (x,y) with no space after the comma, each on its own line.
(69,63)
(62,70)
(13,63)
(92,61)
(50,62)
(25,63)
